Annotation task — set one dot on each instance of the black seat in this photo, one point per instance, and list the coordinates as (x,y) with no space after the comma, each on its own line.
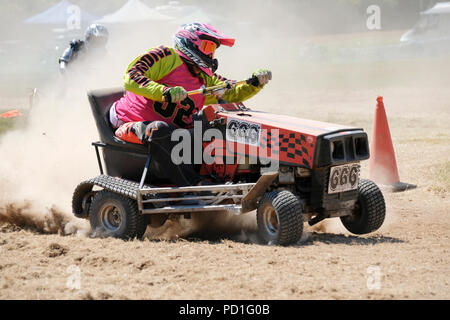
(122,159)
(101,101)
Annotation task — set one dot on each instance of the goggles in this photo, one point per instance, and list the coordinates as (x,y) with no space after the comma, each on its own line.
(208,47)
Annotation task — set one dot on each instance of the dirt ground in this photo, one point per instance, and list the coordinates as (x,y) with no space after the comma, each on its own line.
(407,258)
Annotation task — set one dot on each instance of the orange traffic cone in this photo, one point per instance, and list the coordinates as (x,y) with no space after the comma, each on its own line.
(11,114)
(382,165)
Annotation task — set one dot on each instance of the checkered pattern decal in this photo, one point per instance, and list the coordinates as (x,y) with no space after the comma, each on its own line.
(293,147)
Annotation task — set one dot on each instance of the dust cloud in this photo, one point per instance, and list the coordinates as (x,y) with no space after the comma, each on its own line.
(48,152)
(28,216)
(45,157)
(208,225)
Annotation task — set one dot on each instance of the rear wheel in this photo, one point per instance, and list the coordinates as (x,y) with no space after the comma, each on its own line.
(116,216)
(370,209)
(279,217)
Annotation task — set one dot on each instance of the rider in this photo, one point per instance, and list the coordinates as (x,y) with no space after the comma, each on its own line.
(166,74)
(96,37)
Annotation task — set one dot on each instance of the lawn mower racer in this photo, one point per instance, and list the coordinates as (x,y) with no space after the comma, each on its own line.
(156,100)
(316,175)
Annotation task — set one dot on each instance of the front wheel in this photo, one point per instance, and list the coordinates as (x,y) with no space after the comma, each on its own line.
(369,212)
(116,216)
(279,218)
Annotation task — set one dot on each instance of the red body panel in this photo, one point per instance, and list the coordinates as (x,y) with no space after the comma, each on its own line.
(288,139)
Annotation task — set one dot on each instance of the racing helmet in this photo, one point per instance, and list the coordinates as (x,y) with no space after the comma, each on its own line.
(197,43)
(96,35)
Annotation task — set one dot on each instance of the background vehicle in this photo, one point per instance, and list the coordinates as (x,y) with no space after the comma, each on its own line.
(433,27)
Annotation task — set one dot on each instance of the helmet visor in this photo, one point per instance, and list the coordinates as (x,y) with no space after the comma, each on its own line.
(208,47)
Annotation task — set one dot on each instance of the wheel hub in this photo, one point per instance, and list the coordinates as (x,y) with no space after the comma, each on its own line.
(111,217)
(270,220)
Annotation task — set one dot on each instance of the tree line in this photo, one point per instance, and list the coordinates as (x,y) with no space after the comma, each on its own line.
(324,16)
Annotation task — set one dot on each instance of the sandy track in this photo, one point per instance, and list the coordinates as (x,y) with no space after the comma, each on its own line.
(410,252)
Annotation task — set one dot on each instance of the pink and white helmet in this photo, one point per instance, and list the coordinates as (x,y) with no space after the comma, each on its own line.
(197,42)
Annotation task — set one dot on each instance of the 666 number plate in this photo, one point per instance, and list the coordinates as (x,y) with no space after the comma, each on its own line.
(344,178)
